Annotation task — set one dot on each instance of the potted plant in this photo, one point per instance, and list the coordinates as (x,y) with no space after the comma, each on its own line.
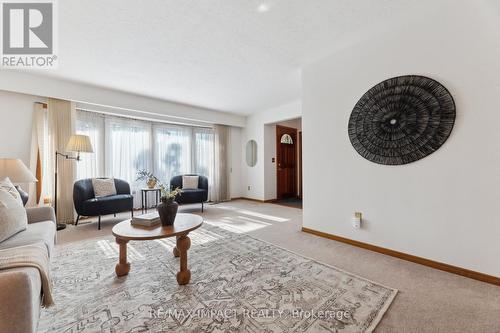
(167,209)
(152,180)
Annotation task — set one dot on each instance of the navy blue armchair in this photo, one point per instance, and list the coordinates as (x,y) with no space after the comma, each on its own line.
(189,196)
(86,204)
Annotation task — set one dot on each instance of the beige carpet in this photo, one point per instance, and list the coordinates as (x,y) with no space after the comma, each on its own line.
(238,284)
(428,300)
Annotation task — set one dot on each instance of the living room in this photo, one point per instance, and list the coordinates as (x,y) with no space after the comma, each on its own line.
(258,166)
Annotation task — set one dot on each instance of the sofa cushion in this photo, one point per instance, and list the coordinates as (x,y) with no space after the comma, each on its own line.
(96,202)
(13,217)
(190,182)
(103,187)
(192,196)
(41,231)
(108,205)
(7,185)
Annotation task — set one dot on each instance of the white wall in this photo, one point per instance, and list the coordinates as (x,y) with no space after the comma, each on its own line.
(442,207)
(294,123)
(89,97)
(255,130)
(16,121)
(269,165)
(235,162)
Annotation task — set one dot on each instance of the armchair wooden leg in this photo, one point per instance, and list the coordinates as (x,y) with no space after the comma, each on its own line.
(132,212)
(77,219)
(202,206)
(99,223)
(114,214)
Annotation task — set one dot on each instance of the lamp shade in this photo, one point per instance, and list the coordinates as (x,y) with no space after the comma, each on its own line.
(80,144)
(16,171)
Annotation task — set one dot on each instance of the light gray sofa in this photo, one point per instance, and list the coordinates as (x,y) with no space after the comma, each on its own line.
(20,288)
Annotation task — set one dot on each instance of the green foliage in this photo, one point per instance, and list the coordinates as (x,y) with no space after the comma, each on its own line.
(167,194)
(146,175)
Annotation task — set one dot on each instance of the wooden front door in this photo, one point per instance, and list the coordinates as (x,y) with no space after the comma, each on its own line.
(286,158)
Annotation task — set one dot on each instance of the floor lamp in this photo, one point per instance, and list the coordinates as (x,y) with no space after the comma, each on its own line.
(78,144)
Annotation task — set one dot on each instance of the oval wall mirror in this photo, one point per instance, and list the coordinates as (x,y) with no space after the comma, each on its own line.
(251,153)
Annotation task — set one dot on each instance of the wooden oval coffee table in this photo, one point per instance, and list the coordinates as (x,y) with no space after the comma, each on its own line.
(183,225)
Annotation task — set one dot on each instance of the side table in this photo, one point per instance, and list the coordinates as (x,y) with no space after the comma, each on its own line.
(144,197)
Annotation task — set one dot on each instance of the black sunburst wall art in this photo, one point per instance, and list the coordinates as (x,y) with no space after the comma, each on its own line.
(401,120)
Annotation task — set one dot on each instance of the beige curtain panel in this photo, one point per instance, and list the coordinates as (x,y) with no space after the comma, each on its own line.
(220,189)
(61,125)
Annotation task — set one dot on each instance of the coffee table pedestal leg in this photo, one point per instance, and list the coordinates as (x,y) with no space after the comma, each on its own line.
(183,244)
(123,267)
(175,251)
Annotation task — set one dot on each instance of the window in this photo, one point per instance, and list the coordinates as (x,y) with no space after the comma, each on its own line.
(124,146)
(92,125)
(203,153)
(128,149)
(286,139)
(172,151)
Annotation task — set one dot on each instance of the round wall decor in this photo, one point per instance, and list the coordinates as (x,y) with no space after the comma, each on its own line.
(401,120)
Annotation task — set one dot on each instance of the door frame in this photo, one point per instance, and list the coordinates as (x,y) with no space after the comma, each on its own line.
(299,142)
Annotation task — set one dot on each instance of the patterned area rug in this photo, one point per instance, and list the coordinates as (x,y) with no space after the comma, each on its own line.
(238,284)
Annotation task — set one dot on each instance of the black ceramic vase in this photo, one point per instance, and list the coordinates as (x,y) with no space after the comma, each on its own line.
(167,211)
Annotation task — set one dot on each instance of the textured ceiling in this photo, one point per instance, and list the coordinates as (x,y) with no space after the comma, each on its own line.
(219,54)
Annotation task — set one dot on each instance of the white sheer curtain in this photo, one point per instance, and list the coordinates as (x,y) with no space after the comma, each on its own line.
(91,124)
(203,155)
(40,159)
(172,151)
(123,146)
(128,150)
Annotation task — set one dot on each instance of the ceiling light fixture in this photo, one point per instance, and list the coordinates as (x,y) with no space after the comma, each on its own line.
(263,7)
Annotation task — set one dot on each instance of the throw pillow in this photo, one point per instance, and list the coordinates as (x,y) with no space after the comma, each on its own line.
(13,218)
(103,187)
(7,186)
(190,182)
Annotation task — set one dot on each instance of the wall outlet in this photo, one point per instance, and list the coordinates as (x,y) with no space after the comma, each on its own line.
(249,187)
(273,160)
(356,220)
